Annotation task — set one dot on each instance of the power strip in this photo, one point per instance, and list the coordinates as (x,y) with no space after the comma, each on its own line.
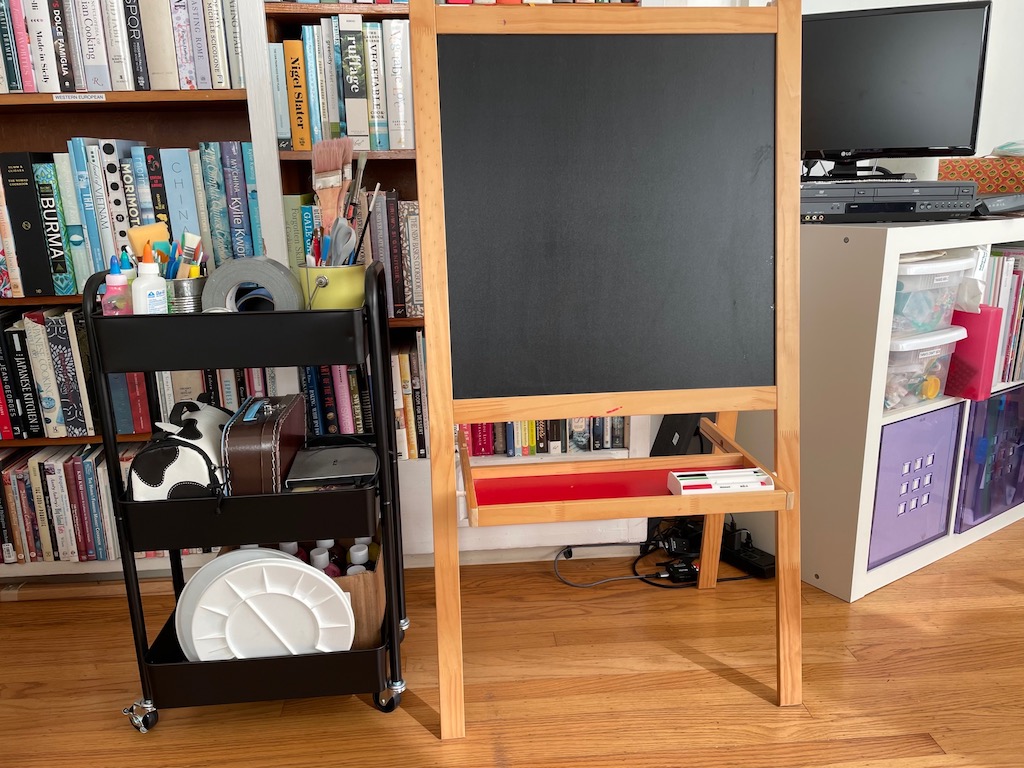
(754,561)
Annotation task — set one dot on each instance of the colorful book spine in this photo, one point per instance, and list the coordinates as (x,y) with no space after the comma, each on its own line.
(330,92)
(293,227)
(112,152)
(12,287)
(92,500)
(26,222)
(419,406)
(202,205)
(19,539)
(161,61)
(233,35)
(200,49)
(61,530)
(131,193)
(183,45)
(316,412)
(83,190)
(252,198)
(101,206)
(398,84)
(181,195)
(136,39)
(216,201)
(66,360)
(328,400)
(16,345)
(343,399)
(321,81)
(40,35)
(353,81)
(311,59)
(308,225)
(91,38)
(74,45)
(357,411)
(216,42)
(298,98)
(339,72)
(21,485)
(81,254)
(61,46)
(62,268)
(373,41)
(9,398)
(279,88)
(21,46)
(238,207)
(42,371)
(9,48)
(145,197)
(74,474)
(395,254)
(157,189)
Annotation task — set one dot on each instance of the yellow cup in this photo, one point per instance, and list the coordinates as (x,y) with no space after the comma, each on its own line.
(333,287)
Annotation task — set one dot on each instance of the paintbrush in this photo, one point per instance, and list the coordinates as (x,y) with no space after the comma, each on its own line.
(332,176)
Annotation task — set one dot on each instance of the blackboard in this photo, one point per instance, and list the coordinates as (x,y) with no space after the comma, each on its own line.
(609,211)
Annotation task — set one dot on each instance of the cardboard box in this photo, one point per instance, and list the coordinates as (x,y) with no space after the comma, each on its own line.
(366,593)
(994,175)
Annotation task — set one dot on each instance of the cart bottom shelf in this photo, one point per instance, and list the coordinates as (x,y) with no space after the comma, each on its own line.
(177,682)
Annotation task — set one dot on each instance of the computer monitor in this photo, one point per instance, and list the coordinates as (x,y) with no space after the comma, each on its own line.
(893,83)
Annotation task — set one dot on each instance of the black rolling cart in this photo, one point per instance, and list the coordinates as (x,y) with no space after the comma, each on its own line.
(242,340)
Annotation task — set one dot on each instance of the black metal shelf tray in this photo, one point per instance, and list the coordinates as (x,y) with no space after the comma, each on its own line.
(232,340)
(180,683)
(212,522)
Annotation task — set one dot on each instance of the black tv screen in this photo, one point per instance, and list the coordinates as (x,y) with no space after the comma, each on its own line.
(894,82)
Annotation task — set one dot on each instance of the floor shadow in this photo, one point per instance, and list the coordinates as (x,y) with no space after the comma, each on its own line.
(1013,586)
(418,709)
(730,674)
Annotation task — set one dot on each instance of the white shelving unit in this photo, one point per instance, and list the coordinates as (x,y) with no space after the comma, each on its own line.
(848,294)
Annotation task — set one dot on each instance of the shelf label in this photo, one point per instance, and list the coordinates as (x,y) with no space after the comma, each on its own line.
(79,97)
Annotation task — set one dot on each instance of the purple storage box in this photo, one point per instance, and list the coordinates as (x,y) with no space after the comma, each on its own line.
(915,478)
(992,477)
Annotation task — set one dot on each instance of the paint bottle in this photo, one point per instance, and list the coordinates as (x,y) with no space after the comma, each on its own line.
(336,551)
(354,569)
(293,548)
(321,558)
(358,554)
(373,548)
(117,300)
(149,291)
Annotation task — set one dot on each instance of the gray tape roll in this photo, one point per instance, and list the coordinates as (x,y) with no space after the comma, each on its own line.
(220,293)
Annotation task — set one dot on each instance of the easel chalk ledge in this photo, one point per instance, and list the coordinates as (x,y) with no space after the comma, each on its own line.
(429,22)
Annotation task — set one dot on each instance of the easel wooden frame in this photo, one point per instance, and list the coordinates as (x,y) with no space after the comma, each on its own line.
(784,21)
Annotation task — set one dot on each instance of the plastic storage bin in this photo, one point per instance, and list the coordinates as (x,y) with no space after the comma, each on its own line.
(919,365)
(925,293)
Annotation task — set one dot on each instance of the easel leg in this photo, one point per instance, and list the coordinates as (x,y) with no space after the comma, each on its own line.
(711,540)
(789,642)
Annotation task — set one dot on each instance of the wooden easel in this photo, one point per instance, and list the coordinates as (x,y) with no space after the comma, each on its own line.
(429,21)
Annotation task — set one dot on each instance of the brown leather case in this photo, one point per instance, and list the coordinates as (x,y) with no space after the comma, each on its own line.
(260,442)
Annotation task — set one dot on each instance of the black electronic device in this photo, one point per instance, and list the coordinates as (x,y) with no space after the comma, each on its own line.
(993,205)
(893,83)
(834,201)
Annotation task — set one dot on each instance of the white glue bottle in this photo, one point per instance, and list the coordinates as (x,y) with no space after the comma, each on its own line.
(149,290)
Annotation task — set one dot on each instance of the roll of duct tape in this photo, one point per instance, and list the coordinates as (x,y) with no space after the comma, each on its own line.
(233,286)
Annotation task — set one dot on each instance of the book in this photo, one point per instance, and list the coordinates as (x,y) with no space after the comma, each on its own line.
(237,202)
(161,60)
(49,548)
(157,188)
(397,302)
(15,347)
(10,281)
(330,92)
(180,192)
(136,40)
(112,152)
(182,37)
(202,204)
(419,406)
(7,412)
(233,35)
(141,421)
(343,399)
(132,208)
(147,215)
(78,245)
(321,79)
(353,80)
(85,464)
(59,505)
(40,35)
(74,478)
(69,373)
(381,249)
(414,297)
(408,407)
(328,401)
(19,549)
(83,189)
(26,221)
(252,198)
(9,49)
(398,84)
(43,375)
(335,56)
(65,67)
(298,105)
(10,392)
(216,201)
(100,204)
(311,60)
(398,407)
(21,46)
(74,46)
(377,108)
(119,57)
(293,205)
(353,391)
(279,89)
(62,269)
(200,49)
(22,489)
(92,41)
(216,42)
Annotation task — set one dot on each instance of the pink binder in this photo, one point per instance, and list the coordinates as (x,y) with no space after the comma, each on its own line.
(972,366)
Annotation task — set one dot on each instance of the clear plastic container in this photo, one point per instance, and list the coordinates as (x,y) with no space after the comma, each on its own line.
(926,292)
(919,365)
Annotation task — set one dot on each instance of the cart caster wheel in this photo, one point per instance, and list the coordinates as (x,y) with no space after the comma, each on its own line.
(387,706)
(142,715)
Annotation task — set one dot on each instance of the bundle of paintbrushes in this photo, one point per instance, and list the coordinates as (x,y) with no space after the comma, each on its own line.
(332,178)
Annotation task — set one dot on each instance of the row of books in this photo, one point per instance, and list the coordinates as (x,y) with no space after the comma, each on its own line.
(63,215)
(46,387)
(226,388)
(551,436)
(523,2)
(68,46)
(392,238)
(344,77)
(1004,287)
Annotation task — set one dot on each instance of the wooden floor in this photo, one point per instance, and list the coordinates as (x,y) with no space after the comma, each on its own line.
(926,673)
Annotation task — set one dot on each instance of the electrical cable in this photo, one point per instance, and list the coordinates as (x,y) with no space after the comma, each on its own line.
(570,548)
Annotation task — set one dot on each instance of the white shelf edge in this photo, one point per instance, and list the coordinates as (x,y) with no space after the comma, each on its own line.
(490,461)
(142,565)
(901,414)
(1004,386)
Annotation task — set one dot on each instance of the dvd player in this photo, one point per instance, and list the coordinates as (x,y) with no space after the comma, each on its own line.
(833,201)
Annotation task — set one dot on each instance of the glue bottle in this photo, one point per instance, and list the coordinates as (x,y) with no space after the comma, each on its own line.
(149,291)
(118,298)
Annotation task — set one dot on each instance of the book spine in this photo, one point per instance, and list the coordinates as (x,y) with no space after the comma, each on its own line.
(121,401)
(279,88)
(353,81)
(139,397)
(112,151)
(12,287)
(14,516)
(145,197)
(40,36)
(313,397)
(8,535)
(183,45)
(234,191)
(9,48)
(226,386)
(397,83)
(83,190)
(59,339)
(6,407)
(61,48)
(398,407)
(339,72)
(92,498)
(328,399)
(395,254)
(26,223)
(81,254)
(62,268)
(377,98)
(22,486)
(106,505)
(311,59)
(252,198)
(94,48)
(233,36)
(353,393)
(298,100)
(364,398)
(418,405)
(100,205)
(406,210)
(343,399)
(210,386)
(202,206)
(200,49)
(157,188)
(47,537)
(119,57)
(75,45)
(382,250)
(415,297)
(161,61)
(4,87)
(11,394)
(181,196)
(21,365)
(60,511)
(131,193)
(74,476)
(22,47)
(216,42)
(136,39)
(330,91)
(216,201)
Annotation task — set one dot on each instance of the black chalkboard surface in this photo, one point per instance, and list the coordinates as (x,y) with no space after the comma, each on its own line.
(609,208)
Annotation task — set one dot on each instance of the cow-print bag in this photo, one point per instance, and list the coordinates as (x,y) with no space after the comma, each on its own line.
(184,460)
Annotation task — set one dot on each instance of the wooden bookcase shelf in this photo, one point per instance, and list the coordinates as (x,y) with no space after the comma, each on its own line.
(46,442)
(123,99)
(308,11)
(405,322)
(34,301)
(390,154)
